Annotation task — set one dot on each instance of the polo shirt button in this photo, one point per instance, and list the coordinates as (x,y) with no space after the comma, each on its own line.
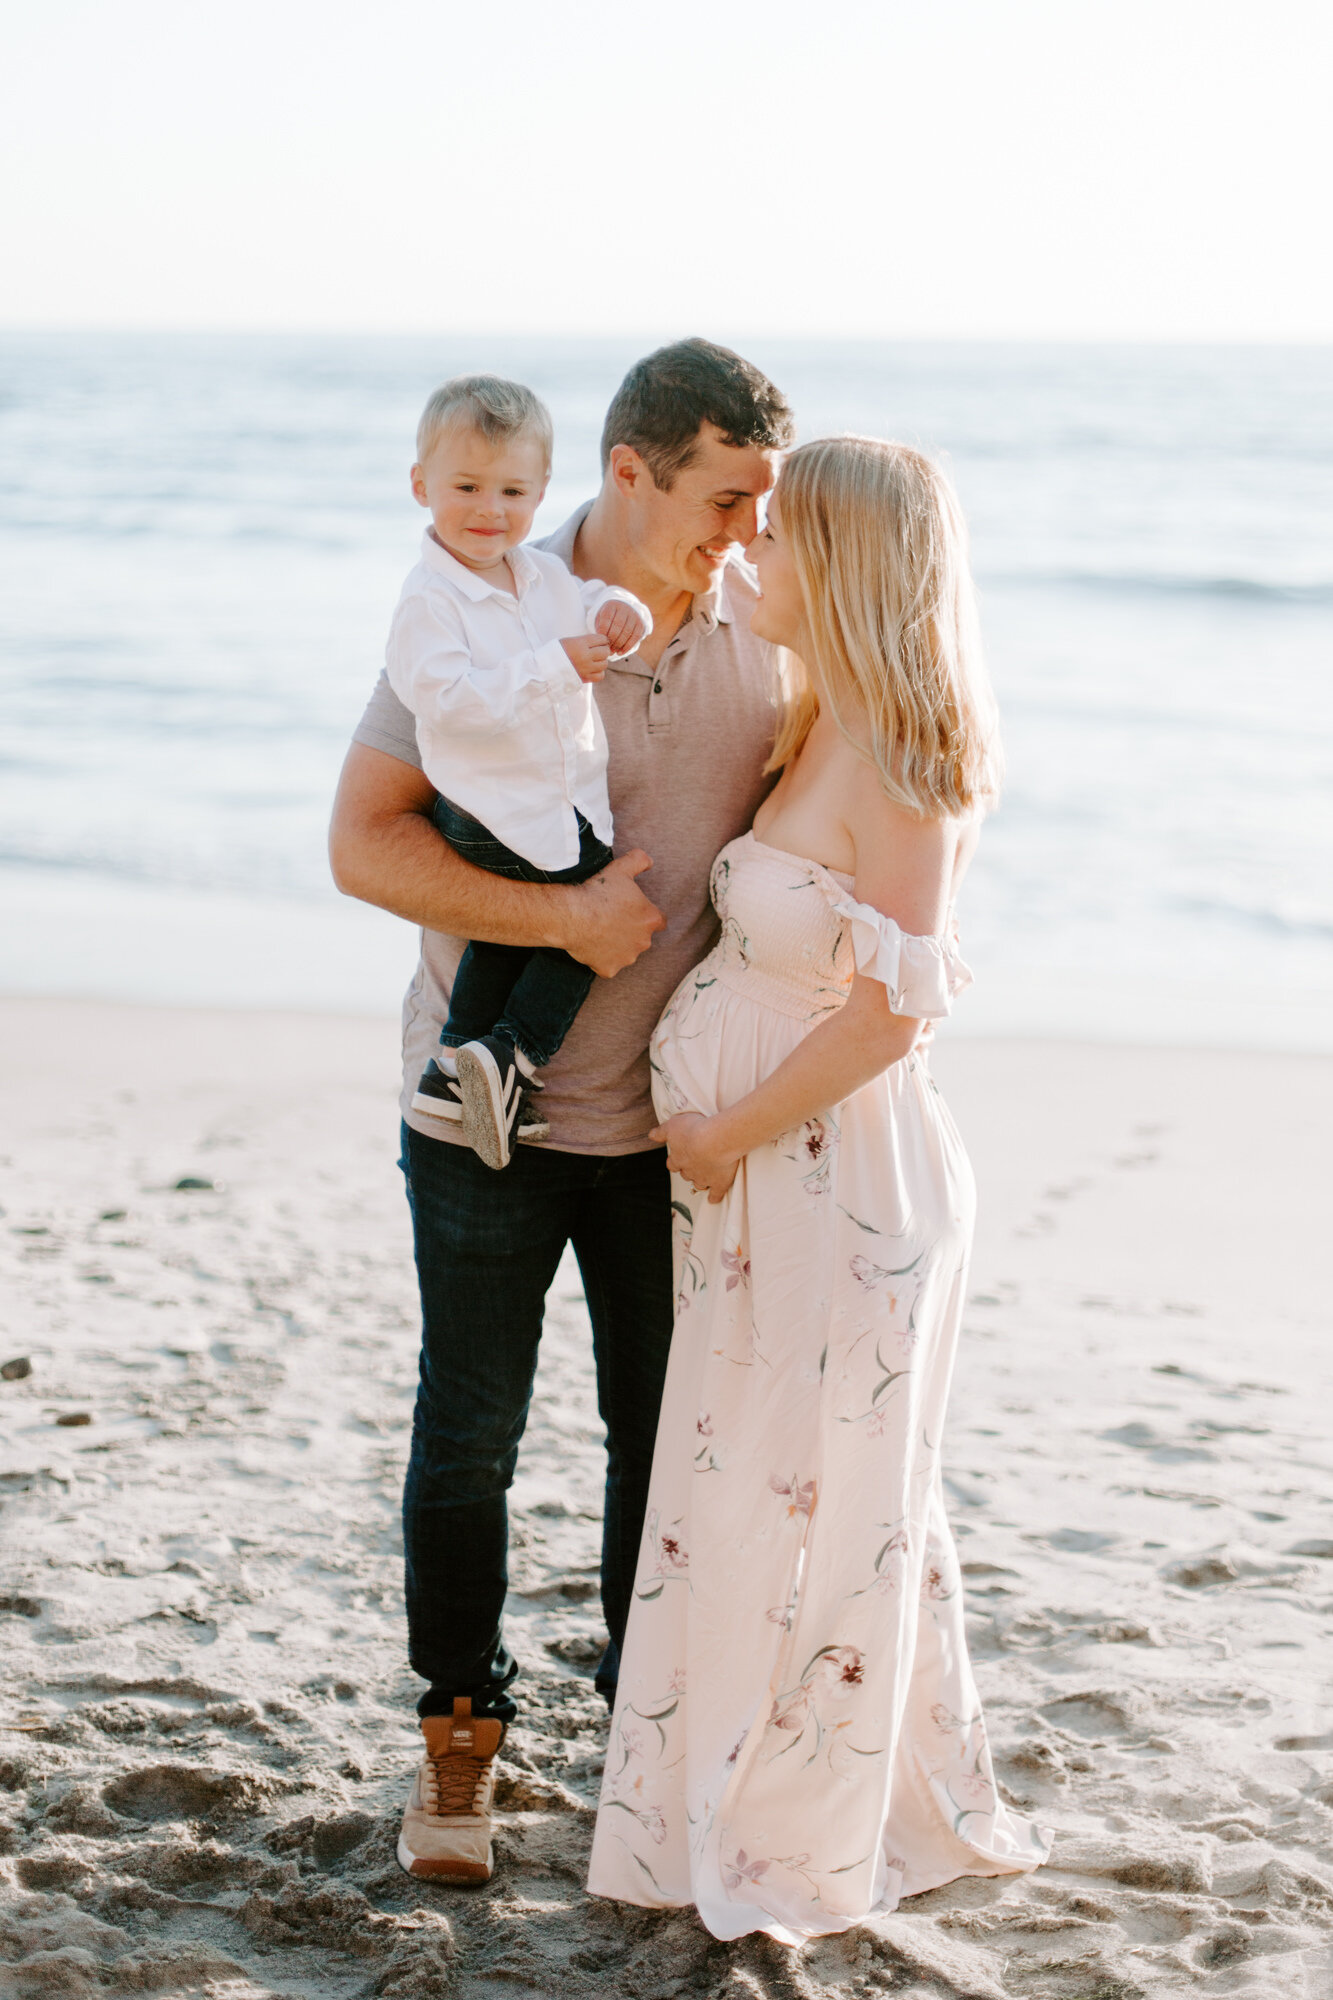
(657,687)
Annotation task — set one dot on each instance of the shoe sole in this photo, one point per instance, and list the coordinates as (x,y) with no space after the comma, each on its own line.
(445,1871)
(484,1125)
(436,1107)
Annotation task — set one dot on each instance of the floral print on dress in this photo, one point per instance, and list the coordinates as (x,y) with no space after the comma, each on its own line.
(737,1267)
(690,1275)
(800,1497)
(797,1739)
(870,1276)
(742,1869)
(812,1149)
(671,1562)
(705,1458)
(889,1564)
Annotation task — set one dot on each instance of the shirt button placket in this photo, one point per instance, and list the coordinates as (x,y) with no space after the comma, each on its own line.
(563,730)
(659,701)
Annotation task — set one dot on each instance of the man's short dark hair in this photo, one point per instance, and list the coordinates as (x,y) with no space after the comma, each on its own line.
(667,398)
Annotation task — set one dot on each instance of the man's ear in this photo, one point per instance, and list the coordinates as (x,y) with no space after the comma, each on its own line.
(419,493)
(627,470)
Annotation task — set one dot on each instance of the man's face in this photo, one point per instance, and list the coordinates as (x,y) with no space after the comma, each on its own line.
(682,535)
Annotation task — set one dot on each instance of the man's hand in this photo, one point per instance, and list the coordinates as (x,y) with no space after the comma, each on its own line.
(613,922)
(620,627)
(588,655)
(385,850)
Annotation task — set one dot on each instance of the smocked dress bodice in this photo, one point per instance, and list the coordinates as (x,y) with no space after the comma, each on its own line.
(793,934)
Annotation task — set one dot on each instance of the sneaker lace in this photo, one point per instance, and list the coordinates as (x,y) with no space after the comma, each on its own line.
(456,1783)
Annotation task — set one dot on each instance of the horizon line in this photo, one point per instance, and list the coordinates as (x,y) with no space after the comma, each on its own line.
(121,329)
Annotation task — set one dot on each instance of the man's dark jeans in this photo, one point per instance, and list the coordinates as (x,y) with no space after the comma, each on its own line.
(487,1247)
(528,994)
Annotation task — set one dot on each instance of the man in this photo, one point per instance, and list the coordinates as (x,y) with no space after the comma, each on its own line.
(689,449)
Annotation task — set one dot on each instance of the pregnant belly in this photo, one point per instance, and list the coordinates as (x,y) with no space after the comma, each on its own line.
(714,1045)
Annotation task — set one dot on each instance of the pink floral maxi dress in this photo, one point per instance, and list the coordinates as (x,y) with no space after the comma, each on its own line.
(797,1739)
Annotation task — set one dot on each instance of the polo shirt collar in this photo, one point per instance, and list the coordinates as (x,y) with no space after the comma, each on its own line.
(561,542)
(713,607)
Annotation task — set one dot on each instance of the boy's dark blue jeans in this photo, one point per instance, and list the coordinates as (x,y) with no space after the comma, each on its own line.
(527,994)
(487,1247)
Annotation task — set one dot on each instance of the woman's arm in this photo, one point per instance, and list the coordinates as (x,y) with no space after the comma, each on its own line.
(904,868)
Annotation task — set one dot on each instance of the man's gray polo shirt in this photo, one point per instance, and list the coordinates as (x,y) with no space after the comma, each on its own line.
(688,744)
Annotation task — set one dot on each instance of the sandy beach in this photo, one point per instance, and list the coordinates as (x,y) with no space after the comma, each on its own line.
(207,1720)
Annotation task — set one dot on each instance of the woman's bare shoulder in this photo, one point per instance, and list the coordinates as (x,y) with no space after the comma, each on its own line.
(904,861)
(875,820)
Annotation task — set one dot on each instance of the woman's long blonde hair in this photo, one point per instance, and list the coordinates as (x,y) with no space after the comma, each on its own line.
(880,549)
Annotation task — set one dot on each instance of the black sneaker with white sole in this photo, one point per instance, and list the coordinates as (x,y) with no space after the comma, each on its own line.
(492,1086)
(532,1125)
(437,1094)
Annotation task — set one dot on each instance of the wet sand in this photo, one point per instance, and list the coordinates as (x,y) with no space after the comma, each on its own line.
(207,1720)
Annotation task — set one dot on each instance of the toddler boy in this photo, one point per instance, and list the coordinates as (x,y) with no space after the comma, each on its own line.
(493,648)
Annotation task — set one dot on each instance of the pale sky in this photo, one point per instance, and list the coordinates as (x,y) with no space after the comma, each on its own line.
(1156,169)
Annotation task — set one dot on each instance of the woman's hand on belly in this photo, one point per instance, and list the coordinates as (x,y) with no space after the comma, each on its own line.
(695,1153)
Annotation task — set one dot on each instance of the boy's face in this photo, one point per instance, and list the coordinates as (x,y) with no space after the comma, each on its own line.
(481,496)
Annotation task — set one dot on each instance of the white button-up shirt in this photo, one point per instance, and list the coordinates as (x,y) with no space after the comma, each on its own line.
(506,729)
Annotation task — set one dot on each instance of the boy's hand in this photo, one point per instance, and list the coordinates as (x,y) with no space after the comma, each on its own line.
(588,655)
(619,626)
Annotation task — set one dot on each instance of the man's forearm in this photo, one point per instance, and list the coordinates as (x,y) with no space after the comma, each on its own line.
(384,849)
(404,865)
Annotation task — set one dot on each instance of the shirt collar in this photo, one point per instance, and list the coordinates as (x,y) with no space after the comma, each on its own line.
(711,608)
(472,584)
(561,542)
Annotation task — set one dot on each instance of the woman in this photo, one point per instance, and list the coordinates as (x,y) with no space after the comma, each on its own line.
(797,1739)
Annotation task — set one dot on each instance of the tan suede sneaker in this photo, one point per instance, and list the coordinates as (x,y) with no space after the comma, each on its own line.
(447,1825)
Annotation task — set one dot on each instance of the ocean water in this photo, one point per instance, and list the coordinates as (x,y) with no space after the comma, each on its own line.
(201,541)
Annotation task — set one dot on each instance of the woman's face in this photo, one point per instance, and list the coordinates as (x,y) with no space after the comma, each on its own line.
(780,613)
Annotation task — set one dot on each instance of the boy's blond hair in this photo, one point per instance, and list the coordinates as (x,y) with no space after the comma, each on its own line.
(880,549)
(500,410)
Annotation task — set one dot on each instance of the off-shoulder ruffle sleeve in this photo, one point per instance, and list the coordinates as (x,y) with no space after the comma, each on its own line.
(922,974)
